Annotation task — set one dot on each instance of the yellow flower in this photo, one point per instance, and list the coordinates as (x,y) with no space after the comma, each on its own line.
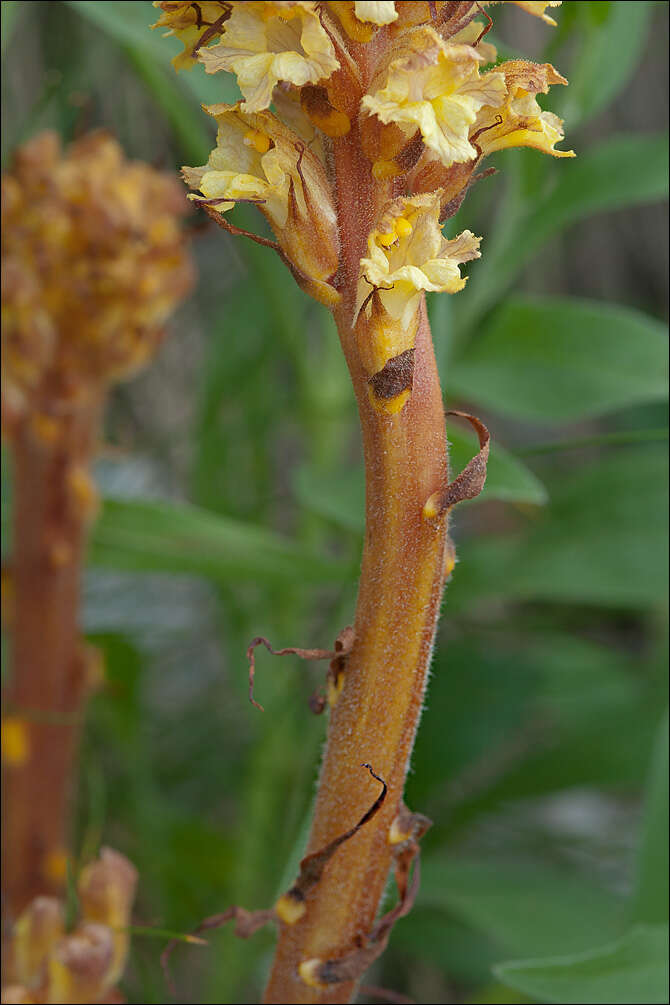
(194,24)
(435,87)
(520,122)
(265,43)
(408,254)
(36,931)
(260,160)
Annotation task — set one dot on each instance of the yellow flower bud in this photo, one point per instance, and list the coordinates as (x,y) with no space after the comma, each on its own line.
(37,930)
(80,966)
(106,891)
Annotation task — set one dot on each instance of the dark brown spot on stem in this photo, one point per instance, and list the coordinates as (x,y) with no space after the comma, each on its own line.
(396,376)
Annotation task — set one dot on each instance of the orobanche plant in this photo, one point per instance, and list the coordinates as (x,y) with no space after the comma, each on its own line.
(94,262)
(360,130)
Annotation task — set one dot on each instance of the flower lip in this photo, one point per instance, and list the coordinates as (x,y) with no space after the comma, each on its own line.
(435,86)
(520,121)
(407,254)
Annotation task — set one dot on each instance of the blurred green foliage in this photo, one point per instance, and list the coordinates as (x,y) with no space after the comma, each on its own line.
(234,507)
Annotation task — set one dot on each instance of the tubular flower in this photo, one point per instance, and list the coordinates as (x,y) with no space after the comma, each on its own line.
(258,159)
(35,934)
(435,87)
(112,264)
(407,255)
(520,122)
(265,43)
(195,24)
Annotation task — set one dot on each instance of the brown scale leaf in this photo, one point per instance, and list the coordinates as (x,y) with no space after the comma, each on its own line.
(312,866)
(353,964)
(396,375)
(341,649)
(247,923)
(471,480)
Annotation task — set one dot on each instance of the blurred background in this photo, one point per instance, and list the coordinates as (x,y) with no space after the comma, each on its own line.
(233,507)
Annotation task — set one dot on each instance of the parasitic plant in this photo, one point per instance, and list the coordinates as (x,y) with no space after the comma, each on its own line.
(360,129)
(94,263)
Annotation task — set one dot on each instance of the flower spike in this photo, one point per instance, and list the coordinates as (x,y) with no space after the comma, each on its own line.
(361,130)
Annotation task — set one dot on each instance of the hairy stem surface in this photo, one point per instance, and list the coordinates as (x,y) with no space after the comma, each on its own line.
(47,686)
(375,718)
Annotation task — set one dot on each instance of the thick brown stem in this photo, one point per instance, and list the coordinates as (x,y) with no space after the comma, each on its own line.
(376,715)
(44,696)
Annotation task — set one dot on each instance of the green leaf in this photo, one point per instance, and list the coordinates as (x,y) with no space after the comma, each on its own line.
(191,127)
(129,24)
(650,898)
(608,57)
(340,499)
(172,537)
(560,358)
(454,948)
(632,970)
(508,720)
(179,96)
(623,171)
(10,9)
(604,538)
(526,909)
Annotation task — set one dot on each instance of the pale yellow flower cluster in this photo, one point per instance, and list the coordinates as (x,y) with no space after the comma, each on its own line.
(94,262)
(435,104)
